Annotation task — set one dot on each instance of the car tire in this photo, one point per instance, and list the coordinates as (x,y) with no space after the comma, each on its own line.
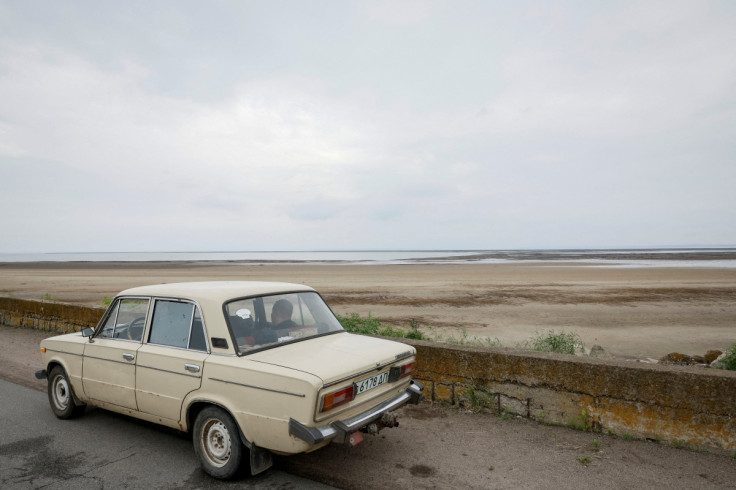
(217,443)
(61,397)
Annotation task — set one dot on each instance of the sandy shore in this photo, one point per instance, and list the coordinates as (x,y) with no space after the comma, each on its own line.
(631,312)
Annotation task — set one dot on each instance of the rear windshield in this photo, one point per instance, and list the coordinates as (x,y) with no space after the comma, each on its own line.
(269,321)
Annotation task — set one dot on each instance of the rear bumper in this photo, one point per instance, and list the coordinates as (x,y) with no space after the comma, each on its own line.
(340,430)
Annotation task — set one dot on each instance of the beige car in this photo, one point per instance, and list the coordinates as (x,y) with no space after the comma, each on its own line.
(241,365)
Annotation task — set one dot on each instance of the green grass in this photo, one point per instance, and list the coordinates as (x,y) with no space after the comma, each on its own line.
(683,444)
(584,423)
(585,460)
(480,397)
(106,300)
(561,343)
(48,297)
(728,362)
(596,444)
(354,323)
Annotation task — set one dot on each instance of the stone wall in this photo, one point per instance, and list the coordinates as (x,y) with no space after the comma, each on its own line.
(681,405)
(48,316)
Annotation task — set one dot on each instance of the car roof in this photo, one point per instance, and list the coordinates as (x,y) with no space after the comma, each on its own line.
(215,290)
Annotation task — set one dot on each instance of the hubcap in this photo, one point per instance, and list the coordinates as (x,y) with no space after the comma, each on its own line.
(61,393)
(215,441)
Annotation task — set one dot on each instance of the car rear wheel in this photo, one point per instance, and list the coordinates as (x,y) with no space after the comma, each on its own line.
(217,443)
(61,398)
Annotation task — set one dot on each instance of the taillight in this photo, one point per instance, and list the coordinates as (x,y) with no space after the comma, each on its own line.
(337,398)
(398,372)
(407,369)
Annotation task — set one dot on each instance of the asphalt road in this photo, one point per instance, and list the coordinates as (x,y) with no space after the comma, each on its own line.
(102,450)
(435,447)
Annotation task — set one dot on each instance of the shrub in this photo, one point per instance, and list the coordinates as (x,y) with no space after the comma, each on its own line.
(728,361)
(562,343)
(354,323)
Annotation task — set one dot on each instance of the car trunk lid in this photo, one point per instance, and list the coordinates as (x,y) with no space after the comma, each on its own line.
(335,357)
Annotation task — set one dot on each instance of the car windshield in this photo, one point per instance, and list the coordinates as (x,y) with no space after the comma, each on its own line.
(269,321)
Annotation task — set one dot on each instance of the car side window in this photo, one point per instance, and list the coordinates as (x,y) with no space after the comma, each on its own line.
(177,324)
(126,320)
(197,340)
(108,329)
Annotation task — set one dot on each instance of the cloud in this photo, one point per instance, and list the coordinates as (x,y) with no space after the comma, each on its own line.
(382,125)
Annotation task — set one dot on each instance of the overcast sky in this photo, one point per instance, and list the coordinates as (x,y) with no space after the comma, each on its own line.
(330,125)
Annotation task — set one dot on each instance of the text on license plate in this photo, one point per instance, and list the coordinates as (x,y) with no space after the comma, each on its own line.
(370,383)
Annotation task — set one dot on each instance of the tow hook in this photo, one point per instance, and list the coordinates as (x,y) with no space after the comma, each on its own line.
(389,419)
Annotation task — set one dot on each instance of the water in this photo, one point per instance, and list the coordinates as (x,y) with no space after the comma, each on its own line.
(721,258)
(351,256)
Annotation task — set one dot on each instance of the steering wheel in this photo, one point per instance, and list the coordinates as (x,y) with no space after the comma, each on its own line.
(135,328)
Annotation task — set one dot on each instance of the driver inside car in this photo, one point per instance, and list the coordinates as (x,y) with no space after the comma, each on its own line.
(281,315)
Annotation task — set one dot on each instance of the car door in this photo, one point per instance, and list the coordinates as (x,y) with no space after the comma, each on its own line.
(171,360)
(109,358)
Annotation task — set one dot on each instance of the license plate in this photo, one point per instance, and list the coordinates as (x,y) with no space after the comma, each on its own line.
(370,383)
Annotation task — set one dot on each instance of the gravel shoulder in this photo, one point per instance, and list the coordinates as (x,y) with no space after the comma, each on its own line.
(438,446)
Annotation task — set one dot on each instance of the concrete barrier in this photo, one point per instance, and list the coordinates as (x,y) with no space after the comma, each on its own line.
(681,405)
(48,316)
(687,406)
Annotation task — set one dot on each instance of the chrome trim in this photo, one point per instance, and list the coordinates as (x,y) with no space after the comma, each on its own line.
(63,352)
(300,395)
(117,339)
(185,349)
(128,357)
(197,308)
(125,363)
(193,368)
(168,371)
(340,430)
(374,369)
(403,355)
(320,416)
(149,316)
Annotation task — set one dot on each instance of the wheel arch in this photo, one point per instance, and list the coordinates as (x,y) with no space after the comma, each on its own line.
(52,364)
(197,406)
(55,362)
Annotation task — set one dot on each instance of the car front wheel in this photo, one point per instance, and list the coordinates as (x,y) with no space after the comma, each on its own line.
(217,443)
(61,398)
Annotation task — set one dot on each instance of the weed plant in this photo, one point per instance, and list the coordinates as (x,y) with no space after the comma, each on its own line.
(728,362)
(480,397)
(354,323)
(561,343)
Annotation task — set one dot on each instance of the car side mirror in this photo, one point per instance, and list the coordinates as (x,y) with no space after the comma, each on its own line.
(87,331)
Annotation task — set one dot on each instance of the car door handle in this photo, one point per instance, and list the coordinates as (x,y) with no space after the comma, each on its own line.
(128,357)
(192,368)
